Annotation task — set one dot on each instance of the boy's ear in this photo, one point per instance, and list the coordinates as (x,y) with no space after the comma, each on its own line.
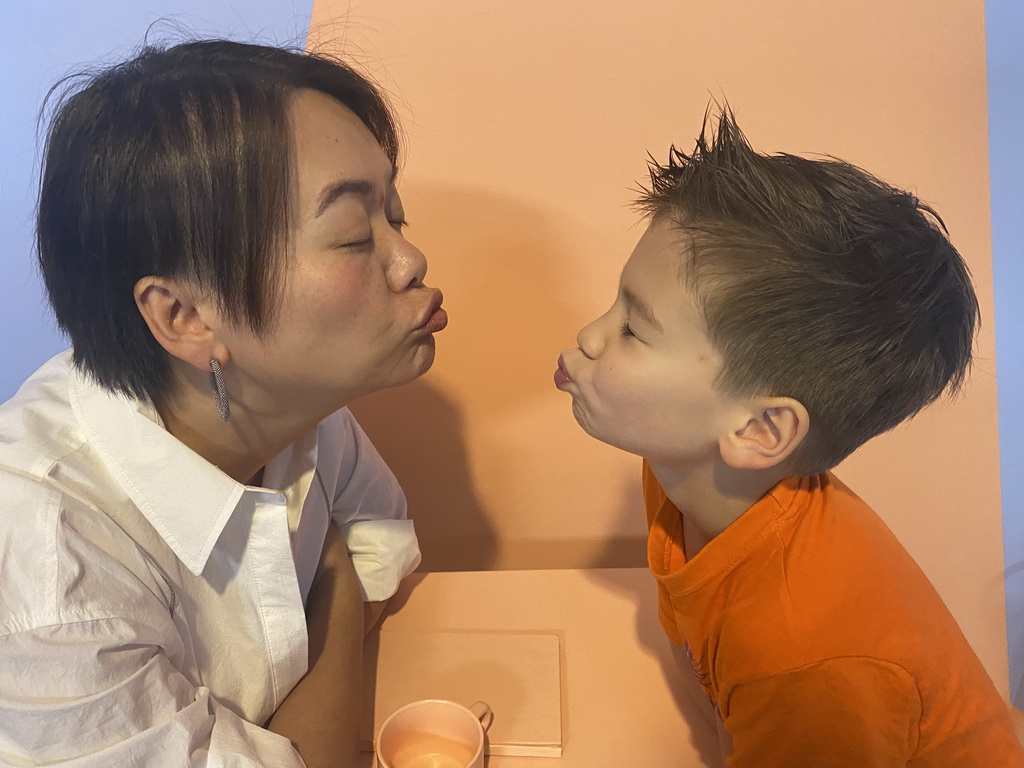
(170,310)
(774,428)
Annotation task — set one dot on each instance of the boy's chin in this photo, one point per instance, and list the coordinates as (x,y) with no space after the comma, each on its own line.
(612,440)
(669,456)
(606,436)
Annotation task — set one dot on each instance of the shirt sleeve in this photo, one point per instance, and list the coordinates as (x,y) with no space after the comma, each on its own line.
(101,692)
(839,713)
(370,508)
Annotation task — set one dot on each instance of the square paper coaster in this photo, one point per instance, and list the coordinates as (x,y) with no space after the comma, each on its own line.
(517,674)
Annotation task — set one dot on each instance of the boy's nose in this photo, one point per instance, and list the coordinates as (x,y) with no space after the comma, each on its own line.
(589,339)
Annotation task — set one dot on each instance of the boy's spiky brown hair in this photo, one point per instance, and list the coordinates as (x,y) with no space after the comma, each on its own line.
(820,282)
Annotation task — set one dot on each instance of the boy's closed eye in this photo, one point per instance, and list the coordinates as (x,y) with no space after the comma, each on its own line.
(641,308)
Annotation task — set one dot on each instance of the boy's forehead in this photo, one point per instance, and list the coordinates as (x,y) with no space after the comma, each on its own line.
(663,248)
(654,282)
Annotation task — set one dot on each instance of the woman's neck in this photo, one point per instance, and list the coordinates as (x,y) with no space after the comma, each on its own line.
(241,446)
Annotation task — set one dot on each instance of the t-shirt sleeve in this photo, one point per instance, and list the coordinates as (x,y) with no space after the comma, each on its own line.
(102,692)
(839,713)
(371,510)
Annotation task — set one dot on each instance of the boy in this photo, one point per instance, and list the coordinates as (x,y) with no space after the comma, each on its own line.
(777,313)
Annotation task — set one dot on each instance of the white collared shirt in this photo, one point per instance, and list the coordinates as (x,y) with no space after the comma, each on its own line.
(151,608)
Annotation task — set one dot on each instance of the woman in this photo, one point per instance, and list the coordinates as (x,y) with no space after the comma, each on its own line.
(221,239)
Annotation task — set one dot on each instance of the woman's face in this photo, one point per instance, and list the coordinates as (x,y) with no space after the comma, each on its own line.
(354,315)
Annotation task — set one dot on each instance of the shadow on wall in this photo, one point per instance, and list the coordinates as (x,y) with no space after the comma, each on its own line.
(504,269)
(601,550)
(628,552)
(689,698)
(418,431)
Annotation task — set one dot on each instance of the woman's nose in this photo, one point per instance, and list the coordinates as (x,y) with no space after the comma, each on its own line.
(590,339)
(408,266)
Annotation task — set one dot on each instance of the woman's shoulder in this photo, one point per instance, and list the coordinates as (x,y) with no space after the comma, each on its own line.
(66,559)
(56,522)
(38,426)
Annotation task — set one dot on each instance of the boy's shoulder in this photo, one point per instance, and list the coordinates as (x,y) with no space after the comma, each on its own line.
(809,572)
(835,603)
(832,581)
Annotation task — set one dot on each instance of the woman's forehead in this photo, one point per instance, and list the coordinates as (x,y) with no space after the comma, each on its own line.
(335,153)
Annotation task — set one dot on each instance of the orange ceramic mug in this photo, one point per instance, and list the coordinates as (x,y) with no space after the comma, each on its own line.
(434,733)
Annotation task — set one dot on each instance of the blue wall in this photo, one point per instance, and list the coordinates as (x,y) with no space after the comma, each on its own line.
(1005,39)
(41,43)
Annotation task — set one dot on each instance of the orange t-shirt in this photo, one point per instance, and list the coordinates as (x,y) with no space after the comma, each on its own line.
(820,641)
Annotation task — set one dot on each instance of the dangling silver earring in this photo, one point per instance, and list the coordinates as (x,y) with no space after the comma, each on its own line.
(220,392)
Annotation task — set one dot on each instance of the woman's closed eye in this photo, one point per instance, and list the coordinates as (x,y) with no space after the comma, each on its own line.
(357,243)
(362,241)
(627,332)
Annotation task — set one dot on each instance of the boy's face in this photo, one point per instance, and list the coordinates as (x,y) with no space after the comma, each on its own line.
(642,376)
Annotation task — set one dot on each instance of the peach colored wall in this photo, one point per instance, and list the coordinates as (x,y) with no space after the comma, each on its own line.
(527,126)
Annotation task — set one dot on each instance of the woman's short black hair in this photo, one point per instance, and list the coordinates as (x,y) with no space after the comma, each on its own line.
(177,163)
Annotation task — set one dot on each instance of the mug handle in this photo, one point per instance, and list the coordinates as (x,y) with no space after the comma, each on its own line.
(483,713)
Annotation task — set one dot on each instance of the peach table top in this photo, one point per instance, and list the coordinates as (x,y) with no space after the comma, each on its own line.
(625,701)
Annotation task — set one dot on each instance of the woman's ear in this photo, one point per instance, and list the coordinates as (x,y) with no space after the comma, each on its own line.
(177,323)
(773,429)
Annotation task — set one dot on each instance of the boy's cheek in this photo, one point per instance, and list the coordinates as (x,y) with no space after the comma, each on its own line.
(606,383)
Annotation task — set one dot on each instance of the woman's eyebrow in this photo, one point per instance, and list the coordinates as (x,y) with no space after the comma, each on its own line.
(332,192)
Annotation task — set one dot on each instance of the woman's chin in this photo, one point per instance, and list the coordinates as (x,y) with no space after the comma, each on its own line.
(422,363)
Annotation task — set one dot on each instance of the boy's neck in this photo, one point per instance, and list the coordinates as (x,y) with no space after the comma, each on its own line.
(712,496)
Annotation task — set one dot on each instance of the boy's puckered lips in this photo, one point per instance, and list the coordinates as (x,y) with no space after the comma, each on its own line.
(561,375)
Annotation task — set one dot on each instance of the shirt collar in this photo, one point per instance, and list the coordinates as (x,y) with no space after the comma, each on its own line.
(184,497)
(771,516)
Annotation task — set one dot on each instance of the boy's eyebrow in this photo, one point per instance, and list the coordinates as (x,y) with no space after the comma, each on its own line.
(332,192)
(641,307)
